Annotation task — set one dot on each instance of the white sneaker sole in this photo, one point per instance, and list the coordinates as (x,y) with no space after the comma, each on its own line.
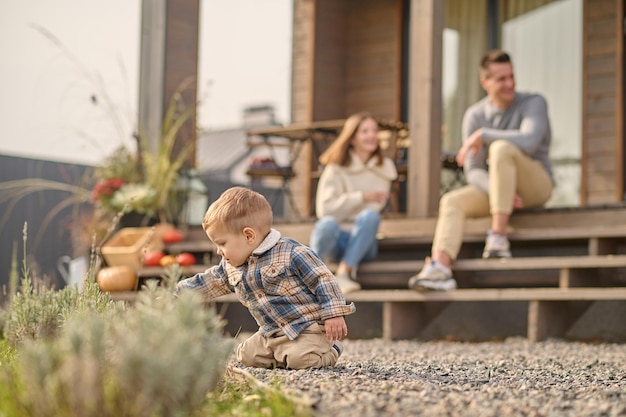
(490,254)
(346,288)
(434,285)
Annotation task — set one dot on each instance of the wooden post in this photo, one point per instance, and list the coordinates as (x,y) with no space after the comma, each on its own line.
(303,96)
(619,102)
(548,319)
(425,56)
(406,320)
(151,71)
(169,57)
(181,65)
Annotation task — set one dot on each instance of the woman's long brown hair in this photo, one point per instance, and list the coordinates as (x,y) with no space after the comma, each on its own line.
(338,151)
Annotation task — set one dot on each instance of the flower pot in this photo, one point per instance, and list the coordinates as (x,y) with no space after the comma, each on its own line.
(134,219)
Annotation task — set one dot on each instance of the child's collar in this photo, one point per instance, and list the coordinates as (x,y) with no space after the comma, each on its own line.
(268,243)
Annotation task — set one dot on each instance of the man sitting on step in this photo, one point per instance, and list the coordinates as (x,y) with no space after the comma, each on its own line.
(505,156)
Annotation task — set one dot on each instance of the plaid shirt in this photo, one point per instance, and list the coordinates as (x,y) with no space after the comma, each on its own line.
(284,285)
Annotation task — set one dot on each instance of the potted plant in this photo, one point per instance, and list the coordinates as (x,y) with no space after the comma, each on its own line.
(143,183)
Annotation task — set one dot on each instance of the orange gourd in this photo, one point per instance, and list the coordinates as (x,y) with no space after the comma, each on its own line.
(117,278)
(167,260)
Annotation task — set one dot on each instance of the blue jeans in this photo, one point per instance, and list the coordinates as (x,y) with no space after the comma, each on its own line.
(352,247)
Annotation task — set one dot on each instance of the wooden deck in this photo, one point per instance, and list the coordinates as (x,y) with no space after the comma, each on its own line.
(564,262)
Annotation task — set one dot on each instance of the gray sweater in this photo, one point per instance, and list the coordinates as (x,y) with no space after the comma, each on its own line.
(524,123)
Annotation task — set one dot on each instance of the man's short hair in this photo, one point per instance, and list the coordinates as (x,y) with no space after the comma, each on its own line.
(491,57)
(238,208)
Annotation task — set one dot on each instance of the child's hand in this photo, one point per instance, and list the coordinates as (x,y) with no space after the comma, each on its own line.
(335,328)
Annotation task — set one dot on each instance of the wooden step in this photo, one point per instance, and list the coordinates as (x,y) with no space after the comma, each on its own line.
(394,274)
(541,271)
(551,311)
(488,294)
(158,271)
(471,294)
(467,294)
(504,264)
(519,235)
(557,223)
(596,226)
(592,240)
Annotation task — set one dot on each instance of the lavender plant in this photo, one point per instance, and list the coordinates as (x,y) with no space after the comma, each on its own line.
(37,311)
(160,358)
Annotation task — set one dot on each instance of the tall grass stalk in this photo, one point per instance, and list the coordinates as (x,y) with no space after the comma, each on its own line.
(13,275)
(25,273)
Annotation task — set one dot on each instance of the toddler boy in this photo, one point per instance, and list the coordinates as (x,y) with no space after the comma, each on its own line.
(289,291)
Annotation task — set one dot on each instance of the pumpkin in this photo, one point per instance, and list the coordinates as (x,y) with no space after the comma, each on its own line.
(117,278)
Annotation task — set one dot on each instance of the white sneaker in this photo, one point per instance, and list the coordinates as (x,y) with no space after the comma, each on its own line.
(346,283)
(496,246)
(432,278)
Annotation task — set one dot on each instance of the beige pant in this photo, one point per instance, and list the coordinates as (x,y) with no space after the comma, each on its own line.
(510,172)
(310,349)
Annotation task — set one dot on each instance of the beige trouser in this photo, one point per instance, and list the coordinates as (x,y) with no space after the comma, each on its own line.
(510,172)
(310,349)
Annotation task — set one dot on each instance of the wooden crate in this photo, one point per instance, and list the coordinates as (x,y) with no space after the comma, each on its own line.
(129,244)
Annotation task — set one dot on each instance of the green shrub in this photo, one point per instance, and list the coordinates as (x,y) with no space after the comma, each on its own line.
(160,358)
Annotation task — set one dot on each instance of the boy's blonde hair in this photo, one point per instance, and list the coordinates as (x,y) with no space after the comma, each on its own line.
(236,209)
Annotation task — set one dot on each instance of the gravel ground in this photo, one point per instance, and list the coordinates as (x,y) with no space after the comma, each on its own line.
(515,377)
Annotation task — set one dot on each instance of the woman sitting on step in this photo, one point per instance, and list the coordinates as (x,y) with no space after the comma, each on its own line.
(352,191)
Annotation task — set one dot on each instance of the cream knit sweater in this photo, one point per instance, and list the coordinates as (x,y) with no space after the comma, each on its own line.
(340,188)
